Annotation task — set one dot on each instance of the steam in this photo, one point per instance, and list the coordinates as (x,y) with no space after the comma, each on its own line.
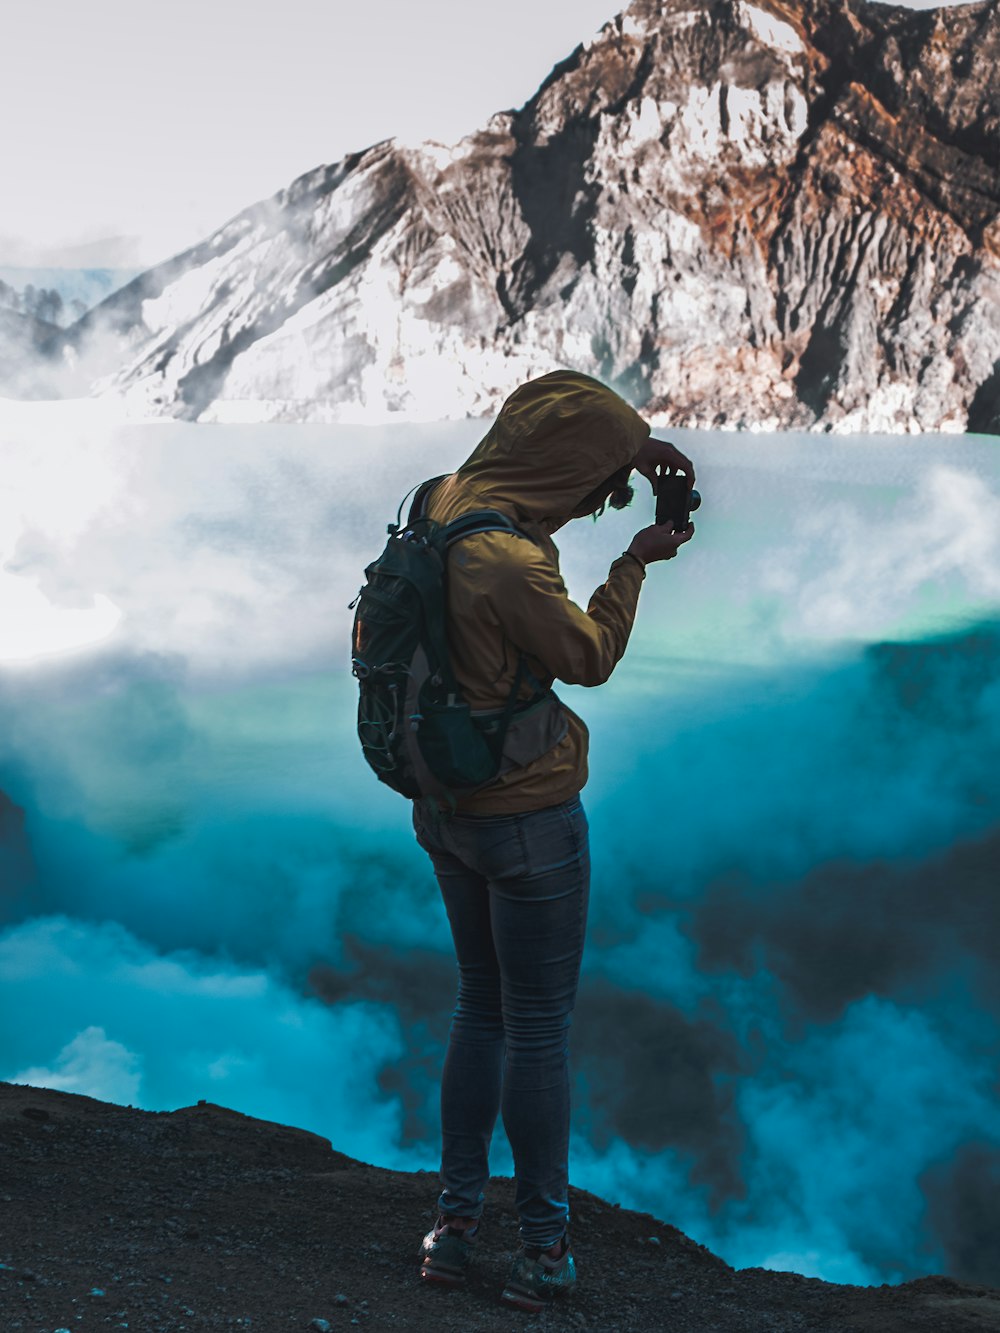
(166,1030)
(793,808)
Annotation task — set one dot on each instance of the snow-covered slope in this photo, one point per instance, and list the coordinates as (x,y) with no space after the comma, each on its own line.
(777,213)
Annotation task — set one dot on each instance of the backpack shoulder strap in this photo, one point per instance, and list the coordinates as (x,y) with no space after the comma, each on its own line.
(418,506)
(466,525)
(480,520)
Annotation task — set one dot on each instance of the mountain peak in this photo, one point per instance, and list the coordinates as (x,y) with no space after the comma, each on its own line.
(777,213)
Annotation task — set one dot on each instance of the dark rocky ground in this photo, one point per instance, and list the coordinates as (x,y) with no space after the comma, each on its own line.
(203,1218)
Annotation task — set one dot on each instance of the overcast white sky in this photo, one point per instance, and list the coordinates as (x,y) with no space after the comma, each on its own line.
(155,123)
(138,118)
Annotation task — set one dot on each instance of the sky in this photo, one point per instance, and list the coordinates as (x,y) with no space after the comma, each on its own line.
(160,122)
(142,127)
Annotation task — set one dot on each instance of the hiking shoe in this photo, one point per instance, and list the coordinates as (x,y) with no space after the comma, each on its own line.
(539,1276)
(446,1249)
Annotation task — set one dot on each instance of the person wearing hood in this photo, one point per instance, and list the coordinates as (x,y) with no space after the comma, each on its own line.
(513,859)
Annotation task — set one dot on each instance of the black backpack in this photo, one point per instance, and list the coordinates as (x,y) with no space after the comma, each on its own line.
(417,732)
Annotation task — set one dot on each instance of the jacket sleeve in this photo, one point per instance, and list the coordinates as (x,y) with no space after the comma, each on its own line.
(532,606)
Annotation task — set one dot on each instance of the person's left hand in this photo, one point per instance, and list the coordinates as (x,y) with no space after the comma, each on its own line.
(656,457)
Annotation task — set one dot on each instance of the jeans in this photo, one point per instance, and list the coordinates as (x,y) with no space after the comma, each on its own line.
(516,889)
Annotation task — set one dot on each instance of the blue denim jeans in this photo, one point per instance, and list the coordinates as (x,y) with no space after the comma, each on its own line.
(516,889)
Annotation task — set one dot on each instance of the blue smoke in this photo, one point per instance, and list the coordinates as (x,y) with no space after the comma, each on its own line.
(784,1039)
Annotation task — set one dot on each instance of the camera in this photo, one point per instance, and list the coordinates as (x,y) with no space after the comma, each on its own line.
(676,500)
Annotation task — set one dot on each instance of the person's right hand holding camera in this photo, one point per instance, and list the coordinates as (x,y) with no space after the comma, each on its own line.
(659,542)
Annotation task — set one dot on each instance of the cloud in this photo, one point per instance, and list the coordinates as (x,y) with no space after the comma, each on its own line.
(843,1133)
(91,1065)
(942,537)
(162,1031)
(757,778)
(237,548)
(46,607)
(658,1078)
(962,1190)
(849,930)
(16,869)
(792,830)
(733,946)
(33,627)
(846,1088)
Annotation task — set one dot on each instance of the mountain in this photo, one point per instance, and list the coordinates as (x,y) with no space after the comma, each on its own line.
(772,213)
(203,1218)
(76,290)
(28,346)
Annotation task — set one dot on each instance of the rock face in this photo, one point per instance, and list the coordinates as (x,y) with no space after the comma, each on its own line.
(779,214)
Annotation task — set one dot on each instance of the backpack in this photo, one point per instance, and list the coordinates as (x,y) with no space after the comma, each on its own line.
(416,730)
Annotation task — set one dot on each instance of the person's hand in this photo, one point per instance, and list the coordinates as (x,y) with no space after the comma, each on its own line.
(657,457)
(659,542)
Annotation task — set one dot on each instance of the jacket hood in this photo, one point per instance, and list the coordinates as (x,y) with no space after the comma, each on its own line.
(554,441)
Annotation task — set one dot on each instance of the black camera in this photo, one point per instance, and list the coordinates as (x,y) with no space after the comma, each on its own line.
(676,500)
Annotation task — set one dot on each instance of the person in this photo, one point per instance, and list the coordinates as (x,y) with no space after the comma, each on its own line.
(512,858)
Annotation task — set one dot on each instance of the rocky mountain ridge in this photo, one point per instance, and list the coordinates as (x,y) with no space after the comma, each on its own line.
(203,1218)
(757,213)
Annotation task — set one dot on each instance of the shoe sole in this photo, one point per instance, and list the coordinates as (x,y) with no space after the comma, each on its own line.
(444,1277)
(522,1301)
(447,1269)
(530,1301)
(441,1279)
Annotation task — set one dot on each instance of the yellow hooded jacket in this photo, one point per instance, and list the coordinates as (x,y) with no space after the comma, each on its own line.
(549,457)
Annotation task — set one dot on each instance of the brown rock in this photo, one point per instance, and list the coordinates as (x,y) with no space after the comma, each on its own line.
(780,213)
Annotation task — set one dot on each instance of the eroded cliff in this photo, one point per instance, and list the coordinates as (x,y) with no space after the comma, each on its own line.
(784,213)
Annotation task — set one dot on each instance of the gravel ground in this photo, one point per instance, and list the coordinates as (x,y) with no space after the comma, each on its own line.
(203,1218)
